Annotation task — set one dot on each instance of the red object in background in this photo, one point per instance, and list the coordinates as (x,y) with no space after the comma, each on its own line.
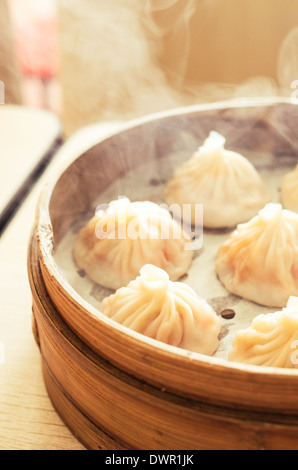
(36,49)
(36,37)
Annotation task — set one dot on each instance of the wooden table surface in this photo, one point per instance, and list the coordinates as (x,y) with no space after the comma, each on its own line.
(28,420)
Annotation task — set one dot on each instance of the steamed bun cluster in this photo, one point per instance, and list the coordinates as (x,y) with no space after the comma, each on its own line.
(258,261)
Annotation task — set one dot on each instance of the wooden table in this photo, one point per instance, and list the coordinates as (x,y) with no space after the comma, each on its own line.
(28,420)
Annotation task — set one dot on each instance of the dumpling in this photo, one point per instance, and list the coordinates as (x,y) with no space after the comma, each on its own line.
(170,312)
(289,190)
(226,183)
(120,239)
(259,261)
(271,340)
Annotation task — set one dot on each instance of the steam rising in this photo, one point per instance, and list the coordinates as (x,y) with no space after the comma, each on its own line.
(111,60)
(171,18)
(287,66)
(110,57)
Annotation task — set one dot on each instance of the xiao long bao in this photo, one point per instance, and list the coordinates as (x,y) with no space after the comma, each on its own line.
(170,312)
(119,240)
(225,182)
(271,340)
(259,261)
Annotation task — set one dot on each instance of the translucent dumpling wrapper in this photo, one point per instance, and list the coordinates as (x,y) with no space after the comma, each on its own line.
(121,238)
(271,340)
(224,182)
(259,261)
(167,311)
(289,190)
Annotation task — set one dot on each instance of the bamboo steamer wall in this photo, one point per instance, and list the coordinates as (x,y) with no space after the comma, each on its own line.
(107,409)
(115,389)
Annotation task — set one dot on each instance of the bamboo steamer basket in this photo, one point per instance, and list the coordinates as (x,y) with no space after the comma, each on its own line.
(115,388)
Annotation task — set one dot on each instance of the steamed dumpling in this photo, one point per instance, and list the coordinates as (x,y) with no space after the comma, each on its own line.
(118,241)
(170,312)
(289,190)
(271,340)
(225,182)
(259,261)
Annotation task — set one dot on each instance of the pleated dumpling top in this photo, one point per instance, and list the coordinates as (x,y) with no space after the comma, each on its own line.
(167,311)
(120,239)
(225,182)
(259,260)
(271,340)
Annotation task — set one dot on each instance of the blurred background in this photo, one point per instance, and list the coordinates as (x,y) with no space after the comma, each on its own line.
(93,60)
